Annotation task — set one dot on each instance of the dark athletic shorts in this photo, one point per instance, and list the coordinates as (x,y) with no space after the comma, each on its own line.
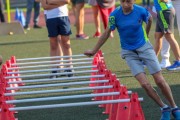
(165,21)
(58,26)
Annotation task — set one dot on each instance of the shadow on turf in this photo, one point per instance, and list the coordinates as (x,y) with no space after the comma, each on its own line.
(23,42)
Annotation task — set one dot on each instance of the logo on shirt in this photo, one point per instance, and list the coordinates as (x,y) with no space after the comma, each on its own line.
(111,20)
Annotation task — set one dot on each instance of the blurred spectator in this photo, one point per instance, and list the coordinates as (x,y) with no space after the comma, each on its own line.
(1,11)
(106,7)
(79,13)
(96,15)
(146,3)
(59,31)
(30,5)
(73,7)
(165,51)
(165,27)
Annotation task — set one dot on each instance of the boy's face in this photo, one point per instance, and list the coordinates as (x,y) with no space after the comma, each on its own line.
(127,4)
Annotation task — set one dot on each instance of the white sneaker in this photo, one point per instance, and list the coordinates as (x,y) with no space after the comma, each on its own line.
(165,63)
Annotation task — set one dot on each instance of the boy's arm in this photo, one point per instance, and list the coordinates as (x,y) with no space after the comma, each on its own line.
(148,25)
(100,42)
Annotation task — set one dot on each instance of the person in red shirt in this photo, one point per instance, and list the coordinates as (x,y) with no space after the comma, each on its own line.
(105,8)
(96,15)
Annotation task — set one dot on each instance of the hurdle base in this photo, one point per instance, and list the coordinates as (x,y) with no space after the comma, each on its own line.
(11,28)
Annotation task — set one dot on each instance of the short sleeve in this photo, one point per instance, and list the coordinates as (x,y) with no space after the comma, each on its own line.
(145,15)
(111,23)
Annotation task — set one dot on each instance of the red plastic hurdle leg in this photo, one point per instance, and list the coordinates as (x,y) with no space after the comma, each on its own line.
(113,107)
(107,76)
(136,112)
(123,109)
(5,114)
(112,81)
(116,108)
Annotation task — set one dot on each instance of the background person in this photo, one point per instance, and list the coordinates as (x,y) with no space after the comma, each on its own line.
(96,15)
(165,27)
(165,54)
(146,3)
(2,18)
(30,5)
(129,19)
(165,51)
(79,14)
(105,8)
(59,30)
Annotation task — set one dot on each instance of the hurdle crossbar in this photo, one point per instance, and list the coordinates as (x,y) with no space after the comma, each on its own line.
(45,75)
(51,57)
(58,90)
(49,70)
(49,65)
(61,97)
(54,61)
(59,84)
(71,104)
(56,79)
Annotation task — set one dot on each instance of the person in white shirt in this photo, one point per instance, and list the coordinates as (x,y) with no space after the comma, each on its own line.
(59,29)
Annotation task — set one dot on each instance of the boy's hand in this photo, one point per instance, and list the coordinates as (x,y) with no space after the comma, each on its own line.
(89,53)
(1,60)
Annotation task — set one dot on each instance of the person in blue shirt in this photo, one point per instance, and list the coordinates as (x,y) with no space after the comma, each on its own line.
(136,50)
(165,27)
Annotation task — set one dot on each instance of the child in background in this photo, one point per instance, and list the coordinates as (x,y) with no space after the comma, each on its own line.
(96,15)
(59,30)
(105,8)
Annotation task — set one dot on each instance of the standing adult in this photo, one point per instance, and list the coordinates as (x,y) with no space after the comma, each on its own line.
(105,8)
(129,19)
(96,15)
(30,5)
(165,27)
(165,51)
(146,3)
(2,18)
(79,14)
(59,30)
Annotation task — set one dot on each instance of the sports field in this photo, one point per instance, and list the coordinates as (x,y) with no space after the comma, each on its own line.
(36,44)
